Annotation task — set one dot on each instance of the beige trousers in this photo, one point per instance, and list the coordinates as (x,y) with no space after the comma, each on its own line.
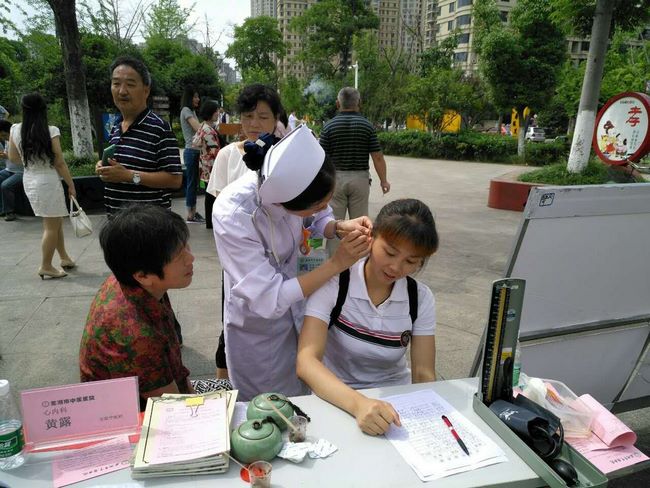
(350,197)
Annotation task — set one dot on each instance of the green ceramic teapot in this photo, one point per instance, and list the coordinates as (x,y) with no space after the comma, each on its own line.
(259,408)
(256,440)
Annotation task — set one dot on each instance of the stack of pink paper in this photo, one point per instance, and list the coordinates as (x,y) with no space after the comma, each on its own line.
(611,444)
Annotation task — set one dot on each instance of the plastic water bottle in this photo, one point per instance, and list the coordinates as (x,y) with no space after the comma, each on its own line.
(11,430)
(516,366)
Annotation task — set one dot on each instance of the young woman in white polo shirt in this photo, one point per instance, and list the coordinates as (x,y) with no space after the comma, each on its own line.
(363,343)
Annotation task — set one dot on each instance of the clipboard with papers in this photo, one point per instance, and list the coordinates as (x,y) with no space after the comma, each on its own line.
(185,435)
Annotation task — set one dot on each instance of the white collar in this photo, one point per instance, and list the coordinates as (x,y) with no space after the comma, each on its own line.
(358,288)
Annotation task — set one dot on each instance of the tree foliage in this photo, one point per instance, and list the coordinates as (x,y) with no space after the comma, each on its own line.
(578,15)
(329,27)
(383,79)
(256,43)
(98,54)
(627,64)
(438,56)
(291,91)
(520,61)
(166,19)
(173,66)
(12,55)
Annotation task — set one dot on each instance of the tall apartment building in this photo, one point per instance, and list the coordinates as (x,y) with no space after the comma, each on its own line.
(388,12)
(412,26)
(444,17)
(455,16)
(287,10)
(430,10)
(401,24)
(263,7)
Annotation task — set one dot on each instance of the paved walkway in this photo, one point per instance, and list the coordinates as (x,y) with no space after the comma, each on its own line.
(41,321)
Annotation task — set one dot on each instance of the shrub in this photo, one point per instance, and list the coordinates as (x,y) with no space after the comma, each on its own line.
(543,154)
(178,132)
(556,174)
(80,166)
(469,146)
(407,143)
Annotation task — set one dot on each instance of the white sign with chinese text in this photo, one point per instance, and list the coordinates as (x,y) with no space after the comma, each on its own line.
(622,130)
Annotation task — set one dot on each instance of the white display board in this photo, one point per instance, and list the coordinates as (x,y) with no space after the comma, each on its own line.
(584,252)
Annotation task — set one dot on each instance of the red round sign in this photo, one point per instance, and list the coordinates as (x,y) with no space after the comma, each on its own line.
(622,132)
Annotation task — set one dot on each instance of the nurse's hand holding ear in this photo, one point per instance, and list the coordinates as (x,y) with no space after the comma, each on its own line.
(354,246)
(344,227)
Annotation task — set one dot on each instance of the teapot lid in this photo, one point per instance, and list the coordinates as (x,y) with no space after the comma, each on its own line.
(262,400)
(256,430)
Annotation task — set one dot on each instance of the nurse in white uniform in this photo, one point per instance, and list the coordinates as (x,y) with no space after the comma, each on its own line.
(258,224)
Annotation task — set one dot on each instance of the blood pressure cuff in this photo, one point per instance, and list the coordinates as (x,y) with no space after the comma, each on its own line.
(540,429)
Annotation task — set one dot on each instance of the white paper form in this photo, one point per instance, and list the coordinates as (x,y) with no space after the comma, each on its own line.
(180,432)
(427,445)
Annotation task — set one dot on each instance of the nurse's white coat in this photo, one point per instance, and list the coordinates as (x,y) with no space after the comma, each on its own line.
(264,304)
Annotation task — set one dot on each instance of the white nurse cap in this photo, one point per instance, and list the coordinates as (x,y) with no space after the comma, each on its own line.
(290,166)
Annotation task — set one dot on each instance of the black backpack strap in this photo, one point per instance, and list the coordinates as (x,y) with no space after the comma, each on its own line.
(412,288)
(344,284)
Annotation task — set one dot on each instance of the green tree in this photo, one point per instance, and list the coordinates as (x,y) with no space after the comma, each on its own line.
(43,63)
(256,43)
(578,15)
(168,20)
(627,65)
(13,55)
(568,90)
(98,53)
(430,97)
(329,27)
(67,32)
(603,16)
(438,56)
(173,66)
(520,61)
(383,78)
(291,91)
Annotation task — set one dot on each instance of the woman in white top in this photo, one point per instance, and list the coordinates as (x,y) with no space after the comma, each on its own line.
(258,226)
(363,343)
(260,108)
(38,147)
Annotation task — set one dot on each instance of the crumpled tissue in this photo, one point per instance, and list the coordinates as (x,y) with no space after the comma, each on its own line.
(296,451)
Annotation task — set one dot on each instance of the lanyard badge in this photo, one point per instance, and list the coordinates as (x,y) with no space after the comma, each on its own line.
(312,253)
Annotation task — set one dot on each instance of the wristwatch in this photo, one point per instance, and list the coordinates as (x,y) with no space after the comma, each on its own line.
(136,178)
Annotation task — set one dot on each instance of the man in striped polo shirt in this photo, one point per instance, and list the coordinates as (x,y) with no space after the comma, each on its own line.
(348,139)
(146,166)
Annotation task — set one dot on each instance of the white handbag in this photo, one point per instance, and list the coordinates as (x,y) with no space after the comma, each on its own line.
(80,222)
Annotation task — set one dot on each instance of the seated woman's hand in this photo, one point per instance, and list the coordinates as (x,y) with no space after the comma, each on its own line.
(353,247)
(375,416)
